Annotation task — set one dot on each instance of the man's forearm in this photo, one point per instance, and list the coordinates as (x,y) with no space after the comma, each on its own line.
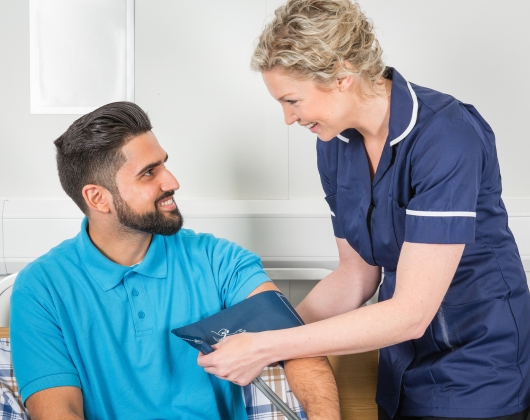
(314,386)
(60,403)
(60,415)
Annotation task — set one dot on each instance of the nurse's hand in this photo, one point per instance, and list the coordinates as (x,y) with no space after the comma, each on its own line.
(239,358)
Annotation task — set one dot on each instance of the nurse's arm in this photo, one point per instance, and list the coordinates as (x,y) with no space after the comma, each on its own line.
(311,380)
(60,403)
(345,289)
(424,274)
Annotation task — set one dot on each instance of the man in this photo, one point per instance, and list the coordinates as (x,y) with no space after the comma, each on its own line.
(91,319)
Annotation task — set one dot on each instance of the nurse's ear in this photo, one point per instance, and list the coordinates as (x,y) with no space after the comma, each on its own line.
(344,83)
(97,198)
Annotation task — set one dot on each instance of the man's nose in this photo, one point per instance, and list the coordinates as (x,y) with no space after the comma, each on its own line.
(169,183)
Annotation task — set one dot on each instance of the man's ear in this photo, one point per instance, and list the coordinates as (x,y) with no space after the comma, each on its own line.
(97,198)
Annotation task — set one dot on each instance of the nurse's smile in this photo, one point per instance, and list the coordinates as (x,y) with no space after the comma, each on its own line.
(306,103)
(313,127)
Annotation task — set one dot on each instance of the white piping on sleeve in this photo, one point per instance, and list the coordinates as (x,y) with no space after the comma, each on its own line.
(442,213)
(413,118)
(333,214)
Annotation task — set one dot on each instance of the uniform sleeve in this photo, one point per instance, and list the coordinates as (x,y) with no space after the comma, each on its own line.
(237,271)
(40,356)
(327,155)
(447,164)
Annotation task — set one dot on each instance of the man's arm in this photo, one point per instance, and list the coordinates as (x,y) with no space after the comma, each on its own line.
(311,380)
(314,386)
(61,403)
(48,381)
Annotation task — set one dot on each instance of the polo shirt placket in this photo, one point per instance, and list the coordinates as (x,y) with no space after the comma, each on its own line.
(142,315)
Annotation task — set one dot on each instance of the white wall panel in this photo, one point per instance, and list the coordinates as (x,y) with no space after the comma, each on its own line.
(81,54)
(32,228)
(520,227)
(14,265)
(30,238)
(224,136)
(519,223)
(41,209)
(26,144)
(2,262)
(304,180)
(285,233)
(475,50)
(273,237)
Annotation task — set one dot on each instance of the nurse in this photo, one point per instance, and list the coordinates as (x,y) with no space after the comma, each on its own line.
(412,180)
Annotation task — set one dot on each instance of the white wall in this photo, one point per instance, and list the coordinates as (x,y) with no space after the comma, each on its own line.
(225,136)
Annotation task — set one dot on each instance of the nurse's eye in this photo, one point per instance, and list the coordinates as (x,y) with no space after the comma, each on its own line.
(291,101)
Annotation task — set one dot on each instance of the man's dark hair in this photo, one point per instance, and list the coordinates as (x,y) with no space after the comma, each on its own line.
(90,151)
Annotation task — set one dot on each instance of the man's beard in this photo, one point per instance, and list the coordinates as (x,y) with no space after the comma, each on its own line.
(155,222)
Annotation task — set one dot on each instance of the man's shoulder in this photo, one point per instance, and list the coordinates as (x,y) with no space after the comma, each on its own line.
(190,234)
(56,259)
(190,238)
(203,243)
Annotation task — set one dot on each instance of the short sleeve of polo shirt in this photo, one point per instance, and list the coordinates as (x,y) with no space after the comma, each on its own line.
(327,162)
(237,271)
(40,356)
(447,161)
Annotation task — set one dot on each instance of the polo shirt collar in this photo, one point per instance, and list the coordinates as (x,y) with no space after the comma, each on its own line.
(107,273)
(154,264)
(403,110)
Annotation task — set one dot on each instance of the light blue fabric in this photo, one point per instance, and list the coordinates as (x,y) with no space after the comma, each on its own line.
(78,319)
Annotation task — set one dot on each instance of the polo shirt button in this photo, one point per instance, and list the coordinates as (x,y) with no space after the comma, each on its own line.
(135,292)
(141,314)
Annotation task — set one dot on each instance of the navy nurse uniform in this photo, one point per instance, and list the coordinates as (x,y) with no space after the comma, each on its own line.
(438,182)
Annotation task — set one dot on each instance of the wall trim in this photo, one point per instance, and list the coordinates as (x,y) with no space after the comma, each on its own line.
(285,233)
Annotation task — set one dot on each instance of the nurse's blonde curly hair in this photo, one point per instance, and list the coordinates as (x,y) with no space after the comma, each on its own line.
(321,40)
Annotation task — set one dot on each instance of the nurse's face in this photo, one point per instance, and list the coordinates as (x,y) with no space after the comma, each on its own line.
(324,111)
(144,201)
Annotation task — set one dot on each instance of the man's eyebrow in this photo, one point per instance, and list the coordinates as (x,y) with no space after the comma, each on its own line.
(151,166)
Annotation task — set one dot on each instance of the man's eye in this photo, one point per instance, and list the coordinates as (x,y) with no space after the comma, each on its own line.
(148,173)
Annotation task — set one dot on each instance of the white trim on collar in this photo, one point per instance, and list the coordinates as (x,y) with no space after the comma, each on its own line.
(344,139)
(412,119)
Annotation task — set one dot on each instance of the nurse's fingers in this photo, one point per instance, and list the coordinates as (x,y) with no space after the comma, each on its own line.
(234,360)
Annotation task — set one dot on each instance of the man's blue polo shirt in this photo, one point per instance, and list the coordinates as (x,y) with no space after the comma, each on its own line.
(78,319)
(438,182)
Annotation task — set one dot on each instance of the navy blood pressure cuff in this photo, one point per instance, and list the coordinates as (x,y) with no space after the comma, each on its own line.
(265,311)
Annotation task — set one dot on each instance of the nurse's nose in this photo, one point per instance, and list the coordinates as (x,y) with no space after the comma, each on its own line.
(289,116)
(169,183)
